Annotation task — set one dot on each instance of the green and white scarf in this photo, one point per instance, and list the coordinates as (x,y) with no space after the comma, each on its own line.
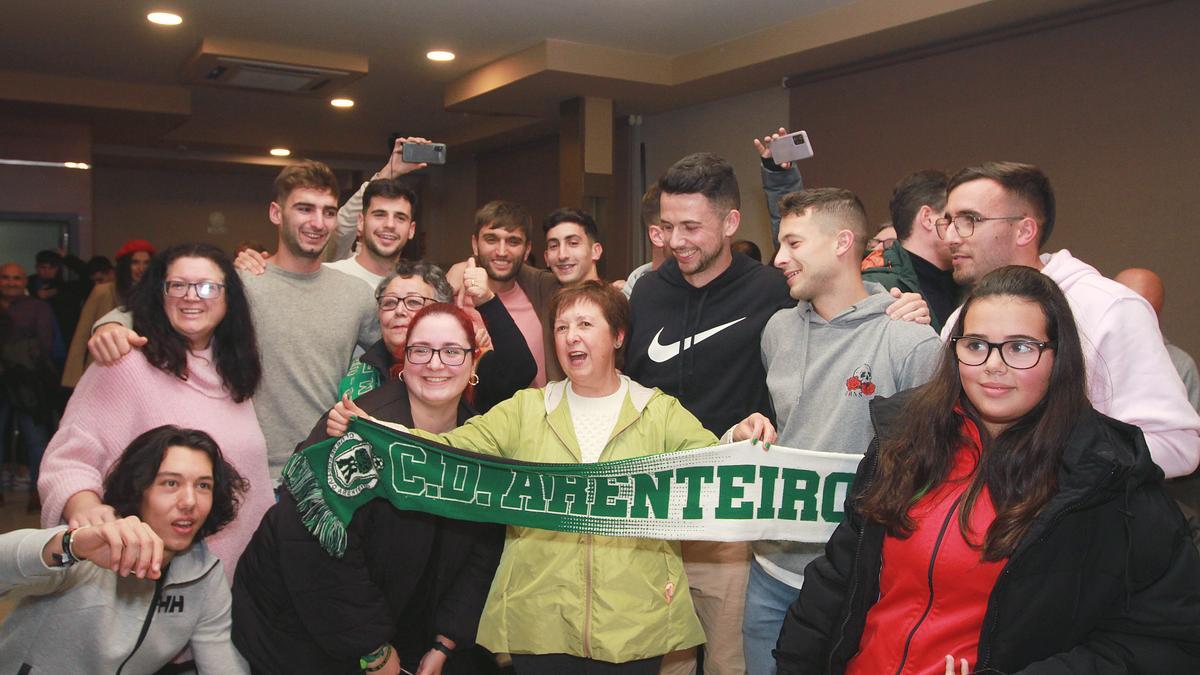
(734,492)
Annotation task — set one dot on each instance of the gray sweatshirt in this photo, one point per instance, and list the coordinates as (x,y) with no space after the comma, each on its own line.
(87,619)
(307,327)
(822,374)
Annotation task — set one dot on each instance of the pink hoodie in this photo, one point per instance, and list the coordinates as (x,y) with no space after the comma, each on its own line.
(112,405)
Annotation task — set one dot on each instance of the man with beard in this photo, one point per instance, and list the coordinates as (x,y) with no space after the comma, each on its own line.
(1002,213)
(385,226)
(500,245)
(308,318)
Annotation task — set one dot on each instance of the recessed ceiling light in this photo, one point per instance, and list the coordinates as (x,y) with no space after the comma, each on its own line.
(342,102)
(280,152)
(439,55)
(164,18)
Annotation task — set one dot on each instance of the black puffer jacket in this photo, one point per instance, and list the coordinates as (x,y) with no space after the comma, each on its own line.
(1105,581)
(405,577)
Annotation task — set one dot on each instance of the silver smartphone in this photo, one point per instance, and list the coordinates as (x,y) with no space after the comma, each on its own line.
(791,148)
(428,153)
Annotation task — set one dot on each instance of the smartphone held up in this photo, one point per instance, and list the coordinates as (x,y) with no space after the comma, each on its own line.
(791,147)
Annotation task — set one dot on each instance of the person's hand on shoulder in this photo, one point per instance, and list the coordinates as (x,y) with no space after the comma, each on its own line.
(908,307)
(112,341)
(254,262)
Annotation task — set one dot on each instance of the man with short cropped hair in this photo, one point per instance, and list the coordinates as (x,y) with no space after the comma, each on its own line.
(307,317)
(572,245)
(385,227)
(826,359)
(1002,213)
(696,322)
(920,262)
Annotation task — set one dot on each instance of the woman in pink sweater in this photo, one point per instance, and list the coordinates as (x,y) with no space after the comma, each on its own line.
(198,369)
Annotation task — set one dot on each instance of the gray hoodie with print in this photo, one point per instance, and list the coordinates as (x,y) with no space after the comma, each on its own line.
(822,374)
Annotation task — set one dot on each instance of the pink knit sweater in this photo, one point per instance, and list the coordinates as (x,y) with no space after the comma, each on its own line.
(112,405)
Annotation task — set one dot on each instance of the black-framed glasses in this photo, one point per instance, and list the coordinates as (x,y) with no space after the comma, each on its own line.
(964,223)
(412,301)
(1019,354)
(422,354)
(205,290)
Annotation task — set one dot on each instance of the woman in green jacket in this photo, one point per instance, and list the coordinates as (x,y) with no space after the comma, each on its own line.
(565,602)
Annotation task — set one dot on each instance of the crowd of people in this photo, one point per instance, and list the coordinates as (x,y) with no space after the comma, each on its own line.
(1029,439)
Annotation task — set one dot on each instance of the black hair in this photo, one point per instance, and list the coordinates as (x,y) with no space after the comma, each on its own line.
(234,344)
(135,470)
(569,215)
(706,174)
(923,188)
(389,188)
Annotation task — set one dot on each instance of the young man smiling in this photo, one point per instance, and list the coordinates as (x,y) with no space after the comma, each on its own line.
(385,227)
(572,246)
(825,358)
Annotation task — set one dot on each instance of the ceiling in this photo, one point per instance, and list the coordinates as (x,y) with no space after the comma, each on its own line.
(517,60)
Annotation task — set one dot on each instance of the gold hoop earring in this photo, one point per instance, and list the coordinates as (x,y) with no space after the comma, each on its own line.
(473,379)
(400,376)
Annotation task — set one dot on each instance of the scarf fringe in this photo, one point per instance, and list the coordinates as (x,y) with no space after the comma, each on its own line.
(316,515)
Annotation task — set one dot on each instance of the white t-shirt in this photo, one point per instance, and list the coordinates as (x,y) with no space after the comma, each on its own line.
(352,267)
(594,418)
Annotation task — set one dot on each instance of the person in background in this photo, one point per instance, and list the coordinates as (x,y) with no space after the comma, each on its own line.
(999,523)
(1185,489)
(921,261)
(748,249)
(658,248)
(28,377)
(129,594)
(632,605)
(507,367)
(572,245)
(100,270)
(132,260)
(199,368)
(65,297)
(411,586)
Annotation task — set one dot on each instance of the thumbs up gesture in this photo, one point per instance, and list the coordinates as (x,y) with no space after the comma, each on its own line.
(474,285)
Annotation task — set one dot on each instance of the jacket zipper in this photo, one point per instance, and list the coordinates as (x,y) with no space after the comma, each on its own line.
(862,533)
(158,586)
(937,546)
(993,618)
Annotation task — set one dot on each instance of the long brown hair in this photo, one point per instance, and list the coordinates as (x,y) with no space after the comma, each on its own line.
(1020,466)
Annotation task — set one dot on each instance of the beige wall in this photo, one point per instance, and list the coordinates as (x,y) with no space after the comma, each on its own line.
(1108,108)
(25,189)
(728,128)
(172,206)
(448,212)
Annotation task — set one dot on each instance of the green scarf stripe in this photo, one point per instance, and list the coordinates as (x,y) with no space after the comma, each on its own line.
(734,492)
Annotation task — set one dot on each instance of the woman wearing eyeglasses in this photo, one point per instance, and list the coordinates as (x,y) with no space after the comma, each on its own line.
(198,369)
(998,523)
(410,588)
(501,371)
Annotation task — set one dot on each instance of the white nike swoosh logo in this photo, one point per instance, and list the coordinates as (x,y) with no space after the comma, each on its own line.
(660,353)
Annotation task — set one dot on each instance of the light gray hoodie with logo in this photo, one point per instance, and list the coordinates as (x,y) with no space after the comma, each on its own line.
(822,374)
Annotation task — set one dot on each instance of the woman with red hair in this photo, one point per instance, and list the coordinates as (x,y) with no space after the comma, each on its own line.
(411,586)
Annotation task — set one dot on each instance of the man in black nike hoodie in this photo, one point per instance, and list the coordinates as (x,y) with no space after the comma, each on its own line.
(696,325)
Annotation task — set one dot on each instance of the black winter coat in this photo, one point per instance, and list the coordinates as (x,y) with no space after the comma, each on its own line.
(1105,580)
(405,577)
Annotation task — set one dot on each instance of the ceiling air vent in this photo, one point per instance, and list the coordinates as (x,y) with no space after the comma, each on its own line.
(288,70)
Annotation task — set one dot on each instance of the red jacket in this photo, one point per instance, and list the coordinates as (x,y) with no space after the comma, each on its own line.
(933,587)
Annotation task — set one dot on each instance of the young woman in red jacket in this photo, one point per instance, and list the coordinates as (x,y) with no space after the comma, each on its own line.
(999,524)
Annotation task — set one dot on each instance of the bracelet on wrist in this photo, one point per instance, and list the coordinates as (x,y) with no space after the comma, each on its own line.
(375,661)
(438,645)
(68,556)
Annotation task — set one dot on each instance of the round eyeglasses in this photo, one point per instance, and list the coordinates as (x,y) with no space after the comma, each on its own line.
(412,302)
(1019,354)
(205,290)
(449,356)
(964,224)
